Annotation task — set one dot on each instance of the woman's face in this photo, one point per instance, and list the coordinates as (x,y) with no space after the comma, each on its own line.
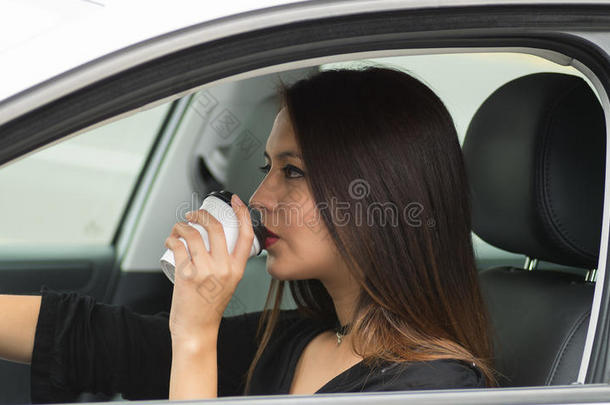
(304,250)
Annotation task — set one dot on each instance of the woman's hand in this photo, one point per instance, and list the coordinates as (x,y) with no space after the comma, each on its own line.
(206,281)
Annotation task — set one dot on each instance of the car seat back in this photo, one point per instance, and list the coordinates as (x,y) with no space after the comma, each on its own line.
(534,153)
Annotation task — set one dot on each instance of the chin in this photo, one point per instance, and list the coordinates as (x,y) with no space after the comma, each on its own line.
(281,271)
(277,272)
(272,267)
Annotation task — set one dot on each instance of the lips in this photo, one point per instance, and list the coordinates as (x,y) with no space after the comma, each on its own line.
(271,234)
(270,239)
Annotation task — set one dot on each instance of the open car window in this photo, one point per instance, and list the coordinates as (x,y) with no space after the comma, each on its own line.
(92,183)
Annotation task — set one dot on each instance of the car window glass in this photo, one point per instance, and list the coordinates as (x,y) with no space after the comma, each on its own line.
(75,192)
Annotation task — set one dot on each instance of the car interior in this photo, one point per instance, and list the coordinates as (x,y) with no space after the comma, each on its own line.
(548,206)
(533,137)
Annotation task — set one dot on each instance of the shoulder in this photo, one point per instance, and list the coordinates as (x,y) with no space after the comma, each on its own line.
(437,374)
(405,376)
(241,331)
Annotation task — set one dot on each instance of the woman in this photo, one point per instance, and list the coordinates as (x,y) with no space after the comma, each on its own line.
(361,139)
(366,196)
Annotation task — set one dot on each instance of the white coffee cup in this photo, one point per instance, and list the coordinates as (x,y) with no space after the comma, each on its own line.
(218,204)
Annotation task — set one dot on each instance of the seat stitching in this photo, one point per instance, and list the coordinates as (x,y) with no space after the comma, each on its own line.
(566,343)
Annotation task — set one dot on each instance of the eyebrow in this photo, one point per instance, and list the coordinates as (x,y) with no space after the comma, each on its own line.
(284,154)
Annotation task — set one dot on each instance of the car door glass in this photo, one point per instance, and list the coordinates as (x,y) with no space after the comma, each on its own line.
(75,192)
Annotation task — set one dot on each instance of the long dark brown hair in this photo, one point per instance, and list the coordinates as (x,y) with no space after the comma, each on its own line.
(378,135)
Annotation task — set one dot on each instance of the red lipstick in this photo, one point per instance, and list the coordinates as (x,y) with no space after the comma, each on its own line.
(270,239)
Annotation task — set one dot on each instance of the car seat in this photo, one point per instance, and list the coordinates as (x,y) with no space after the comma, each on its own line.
(534,154)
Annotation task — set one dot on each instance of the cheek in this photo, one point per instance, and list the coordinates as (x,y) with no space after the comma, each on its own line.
(313,242)
(310,236)
(307,254)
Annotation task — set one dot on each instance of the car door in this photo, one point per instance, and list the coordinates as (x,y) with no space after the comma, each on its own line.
(61,211)
(294,33)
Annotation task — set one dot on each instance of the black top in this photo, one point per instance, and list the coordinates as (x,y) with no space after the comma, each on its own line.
(85,346)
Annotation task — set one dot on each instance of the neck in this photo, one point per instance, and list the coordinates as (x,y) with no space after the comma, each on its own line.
(344,295)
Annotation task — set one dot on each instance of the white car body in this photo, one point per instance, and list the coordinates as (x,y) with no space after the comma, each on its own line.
(51,49)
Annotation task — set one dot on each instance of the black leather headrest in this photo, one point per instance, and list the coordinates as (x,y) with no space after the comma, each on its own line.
(534,153)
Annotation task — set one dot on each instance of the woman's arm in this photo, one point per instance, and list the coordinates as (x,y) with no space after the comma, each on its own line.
(18,318)
(86,346)
(194,368)
(204,284)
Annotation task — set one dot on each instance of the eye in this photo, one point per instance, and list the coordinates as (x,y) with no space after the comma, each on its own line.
(292,172)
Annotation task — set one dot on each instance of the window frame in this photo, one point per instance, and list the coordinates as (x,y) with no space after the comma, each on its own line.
(555,28)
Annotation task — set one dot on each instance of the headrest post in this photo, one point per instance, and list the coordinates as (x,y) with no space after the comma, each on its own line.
(530,264)
(591,275)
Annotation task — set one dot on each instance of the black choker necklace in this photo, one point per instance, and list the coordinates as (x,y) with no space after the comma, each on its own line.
(341,331)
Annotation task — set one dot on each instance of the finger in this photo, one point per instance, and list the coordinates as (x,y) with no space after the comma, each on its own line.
(194,241)
(246,232)
(216,233)
(183,265)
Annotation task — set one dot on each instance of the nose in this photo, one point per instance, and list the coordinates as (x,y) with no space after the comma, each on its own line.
(264,197)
